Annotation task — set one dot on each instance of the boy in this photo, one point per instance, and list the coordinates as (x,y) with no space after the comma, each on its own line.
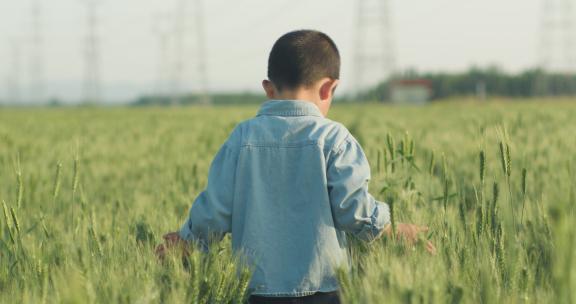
(289,183)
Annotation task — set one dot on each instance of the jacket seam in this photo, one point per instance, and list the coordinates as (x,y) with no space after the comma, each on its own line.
(293,294)
(289,114)
(272,145)
(338,148)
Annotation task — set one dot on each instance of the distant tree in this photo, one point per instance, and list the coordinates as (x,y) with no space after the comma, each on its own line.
(494,80)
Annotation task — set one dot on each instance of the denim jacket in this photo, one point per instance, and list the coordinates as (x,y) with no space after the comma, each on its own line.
(287,184)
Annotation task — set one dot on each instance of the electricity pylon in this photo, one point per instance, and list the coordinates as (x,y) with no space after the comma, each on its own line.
(558,36)
(37,81)
(92,85)
(192,49)
(374,44)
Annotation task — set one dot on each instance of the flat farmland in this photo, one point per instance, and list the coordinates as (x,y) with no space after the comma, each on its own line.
(87,193)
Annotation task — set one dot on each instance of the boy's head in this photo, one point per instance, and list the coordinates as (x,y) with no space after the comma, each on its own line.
(303,64)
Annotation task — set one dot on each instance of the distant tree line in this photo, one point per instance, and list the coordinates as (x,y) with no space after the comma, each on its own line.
(489,81)
(214,99)
(480,82)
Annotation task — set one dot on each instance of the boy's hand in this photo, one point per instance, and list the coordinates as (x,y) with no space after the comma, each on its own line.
(171,240)
(409,233)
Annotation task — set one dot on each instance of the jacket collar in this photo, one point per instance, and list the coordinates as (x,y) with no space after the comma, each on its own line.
(289,108)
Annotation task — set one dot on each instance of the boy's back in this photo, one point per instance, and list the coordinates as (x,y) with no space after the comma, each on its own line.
(287,184)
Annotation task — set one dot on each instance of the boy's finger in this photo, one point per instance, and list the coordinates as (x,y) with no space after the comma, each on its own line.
(160,250)
(171,237)
(430,248)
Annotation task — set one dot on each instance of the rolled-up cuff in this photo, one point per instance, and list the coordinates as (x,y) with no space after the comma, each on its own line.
(378,220)
(185,232)
(187,235)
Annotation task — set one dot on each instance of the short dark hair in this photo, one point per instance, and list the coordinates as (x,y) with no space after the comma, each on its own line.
(302,57)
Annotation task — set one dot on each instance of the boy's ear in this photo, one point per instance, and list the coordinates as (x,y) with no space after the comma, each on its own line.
(327,88)
(269,88)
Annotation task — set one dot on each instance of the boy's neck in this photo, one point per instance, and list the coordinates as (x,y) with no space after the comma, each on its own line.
(298,94)
(314,94)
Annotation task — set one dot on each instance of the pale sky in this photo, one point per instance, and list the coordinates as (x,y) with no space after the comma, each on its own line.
(429,35)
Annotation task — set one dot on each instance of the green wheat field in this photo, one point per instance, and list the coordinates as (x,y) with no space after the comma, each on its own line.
(87,193)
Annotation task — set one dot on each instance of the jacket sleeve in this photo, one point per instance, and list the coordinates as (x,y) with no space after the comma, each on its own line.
(354,210)
(211,213)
